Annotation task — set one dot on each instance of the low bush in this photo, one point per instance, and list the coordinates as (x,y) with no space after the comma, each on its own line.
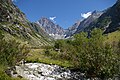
(11,52)
(90,54)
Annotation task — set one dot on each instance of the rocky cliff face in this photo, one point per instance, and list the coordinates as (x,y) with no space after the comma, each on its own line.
(14,22)
(86,22)
(58,32)
(38,29)
(51,28)
(81,25)
(71,30)
(108,21)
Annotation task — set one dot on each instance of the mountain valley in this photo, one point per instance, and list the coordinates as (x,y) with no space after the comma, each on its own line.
(43,50)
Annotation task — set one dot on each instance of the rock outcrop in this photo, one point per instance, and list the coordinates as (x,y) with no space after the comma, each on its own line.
(81,25)
(51,28)
(39,71)
(109,21)
(14,23)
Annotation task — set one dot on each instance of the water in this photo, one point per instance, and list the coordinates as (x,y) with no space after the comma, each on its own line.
(40,71)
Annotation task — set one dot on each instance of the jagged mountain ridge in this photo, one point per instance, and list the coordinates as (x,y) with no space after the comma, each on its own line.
(81,25)
(86,22)
(51,28)
(101,19)
(13,22)
(71,30)
(108,21)
(58,32)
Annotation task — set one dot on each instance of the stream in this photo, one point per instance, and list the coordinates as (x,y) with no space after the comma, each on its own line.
(40,71)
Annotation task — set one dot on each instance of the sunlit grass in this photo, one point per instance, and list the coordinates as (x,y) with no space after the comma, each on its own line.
(113,37)
(37,55)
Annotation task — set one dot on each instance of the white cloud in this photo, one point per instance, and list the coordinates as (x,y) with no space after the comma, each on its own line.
(52,18)
(86,15)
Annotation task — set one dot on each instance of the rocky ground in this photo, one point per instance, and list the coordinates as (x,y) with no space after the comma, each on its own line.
(39,71)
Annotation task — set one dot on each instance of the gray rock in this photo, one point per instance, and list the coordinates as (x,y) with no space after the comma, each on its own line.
(39,71)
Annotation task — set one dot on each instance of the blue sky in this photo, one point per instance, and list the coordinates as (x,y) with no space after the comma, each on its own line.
(62,12)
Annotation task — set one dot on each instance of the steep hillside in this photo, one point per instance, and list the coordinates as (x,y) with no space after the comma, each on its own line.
(81,25)
(15,25)
(38,29)
(109,21)
(113,37)
(51,28)
(71,30)
(86,22)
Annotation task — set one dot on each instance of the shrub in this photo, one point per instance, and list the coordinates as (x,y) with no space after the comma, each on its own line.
(96,58)
(91,54)
(11,52)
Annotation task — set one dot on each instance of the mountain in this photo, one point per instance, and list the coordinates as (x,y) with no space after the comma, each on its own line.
(58,32)
(108,21)
(86,22)
(81,25)
(51,28)
(71,30)
(14,25)
(39,29)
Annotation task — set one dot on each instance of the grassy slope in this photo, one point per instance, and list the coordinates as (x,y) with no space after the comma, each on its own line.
(113,37)
(37,55)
